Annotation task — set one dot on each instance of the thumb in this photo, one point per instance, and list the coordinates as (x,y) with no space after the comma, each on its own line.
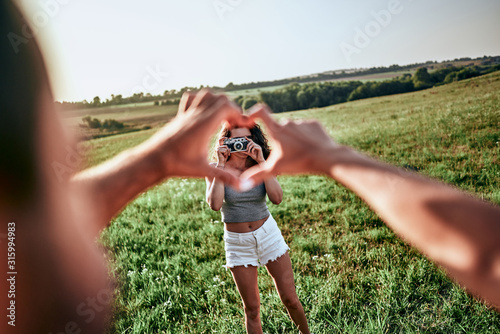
(262,111)
(227,178)
(185,102)
(255,175)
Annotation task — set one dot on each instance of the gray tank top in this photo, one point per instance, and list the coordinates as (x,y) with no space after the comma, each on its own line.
(246,206)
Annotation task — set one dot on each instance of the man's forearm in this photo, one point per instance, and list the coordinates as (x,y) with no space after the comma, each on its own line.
(116,182)
(452,228)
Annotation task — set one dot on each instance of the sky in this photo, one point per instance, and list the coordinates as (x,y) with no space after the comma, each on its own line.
(103,47)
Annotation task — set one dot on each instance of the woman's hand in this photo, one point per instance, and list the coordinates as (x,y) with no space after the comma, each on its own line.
(223,153)
(254,151)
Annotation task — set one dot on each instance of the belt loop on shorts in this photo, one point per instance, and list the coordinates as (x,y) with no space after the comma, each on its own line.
(264,227)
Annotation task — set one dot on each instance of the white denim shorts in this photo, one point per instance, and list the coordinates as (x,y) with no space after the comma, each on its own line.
(254,248)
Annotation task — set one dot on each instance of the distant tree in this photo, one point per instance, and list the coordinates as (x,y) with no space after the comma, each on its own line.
(422,79)
(239,100)
(170,102)
(312,95)
(362,92)
(249,102)
(466,73)
(304,99)
(112,125)
(116,99)
(388,87)
(92,123)
(406,76)
(97,101)
(439,76)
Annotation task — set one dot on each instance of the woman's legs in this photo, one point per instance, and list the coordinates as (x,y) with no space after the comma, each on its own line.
(281,272)
(246,281)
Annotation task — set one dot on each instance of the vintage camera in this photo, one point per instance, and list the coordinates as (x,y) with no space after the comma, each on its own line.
(237,144)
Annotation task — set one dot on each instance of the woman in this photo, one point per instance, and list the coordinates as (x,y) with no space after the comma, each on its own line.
(252,237)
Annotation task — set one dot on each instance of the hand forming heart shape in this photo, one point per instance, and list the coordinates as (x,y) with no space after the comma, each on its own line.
(182,144)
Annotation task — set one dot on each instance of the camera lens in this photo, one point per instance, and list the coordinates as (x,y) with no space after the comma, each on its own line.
(238,146)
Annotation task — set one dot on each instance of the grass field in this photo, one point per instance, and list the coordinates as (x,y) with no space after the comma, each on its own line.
(353,275)
(134,116)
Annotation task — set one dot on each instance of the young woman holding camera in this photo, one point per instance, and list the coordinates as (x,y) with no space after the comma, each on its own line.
(252,237)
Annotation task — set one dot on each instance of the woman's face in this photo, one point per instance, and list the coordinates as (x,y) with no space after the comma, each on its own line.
(240,132)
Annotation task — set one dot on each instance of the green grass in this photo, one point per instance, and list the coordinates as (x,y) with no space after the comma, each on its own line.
(353,274)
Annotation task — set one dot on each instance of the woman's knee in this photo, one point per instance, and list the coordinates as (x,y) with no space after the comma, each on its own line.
(252,310)
(291,302)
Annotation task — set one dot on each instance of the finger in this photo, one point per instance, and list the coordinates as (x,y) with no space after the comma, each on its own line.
(255,175)
(224,176)
(221,141)
(262,112)
(185,102)
(205,97)
(235,118)
(212,116)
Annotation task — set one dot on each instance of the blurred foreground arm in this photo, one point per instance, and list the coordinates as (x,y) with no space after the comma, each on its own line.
(178,149)
(453,229)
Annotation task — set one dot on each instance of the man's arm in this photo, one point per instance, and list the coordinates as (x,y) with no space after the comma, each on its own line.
(455,230)
(452,228)
(117,181)
(177,150)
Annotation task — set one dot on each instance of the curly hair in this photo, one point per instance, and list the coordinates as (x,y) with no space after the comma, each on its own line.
(257,136)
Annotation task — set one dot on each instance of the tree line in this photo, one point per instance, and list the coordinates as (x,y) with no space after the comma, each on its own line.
(341,74)
(107,124)
(173,96)
(321,94)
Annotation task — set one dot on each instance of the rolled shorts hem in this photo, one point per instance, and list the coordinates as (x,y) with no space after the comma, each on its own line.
(256,248)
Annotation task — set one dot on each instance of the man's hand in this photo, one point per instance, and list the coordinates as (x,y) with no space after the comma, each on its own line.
(179,149)
(298,148)
(182,145)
